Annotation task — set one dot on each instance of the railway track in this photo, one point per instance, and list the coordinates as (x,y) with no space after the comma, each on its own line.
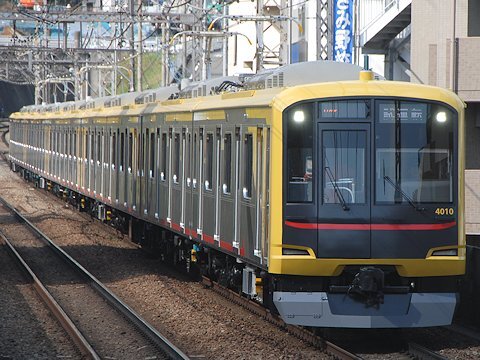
(422,353)
(100,324)
(328,347)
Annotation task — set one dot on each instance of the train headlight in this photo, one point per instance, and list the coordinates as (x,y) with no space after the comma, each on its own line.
(441,117)
(299,116)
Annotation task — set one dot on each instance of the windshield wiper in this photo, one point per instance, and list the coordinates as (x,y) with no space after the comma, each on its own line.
(336,189)
(405,196)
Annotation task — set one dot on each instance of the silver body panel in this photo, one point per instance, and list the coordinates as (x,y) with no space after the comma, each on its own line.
(320,309)
(84,156)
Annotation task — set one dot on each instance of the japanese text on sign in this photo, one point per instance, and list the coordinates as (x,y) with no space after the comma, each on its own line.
(342,32)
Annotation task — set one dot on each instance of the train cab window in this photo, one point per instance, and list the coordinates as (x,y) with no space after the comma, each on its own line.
(163,169)
(152,154)
(176,160)
(248,160)
(300,170)
(227,164)
(209,162)
(414,152)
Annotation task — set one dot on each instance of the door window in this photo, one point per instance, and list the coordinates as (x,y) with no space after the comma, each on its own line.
(344,160)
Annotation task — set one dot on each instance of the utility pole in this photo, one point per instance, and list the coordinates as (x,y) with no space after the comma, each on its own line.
(132,40)
(140,48)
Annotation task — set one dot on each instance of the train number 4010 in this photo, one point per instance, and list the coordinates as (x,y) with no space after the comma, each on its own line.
(444,211)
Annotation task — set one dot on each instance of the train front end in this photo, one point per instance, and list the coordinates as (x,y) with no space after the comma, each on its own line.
(371,193)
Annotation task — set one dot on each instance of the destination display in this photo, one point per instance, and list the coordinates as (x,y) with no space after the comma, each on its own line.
(350,109)
(405,112)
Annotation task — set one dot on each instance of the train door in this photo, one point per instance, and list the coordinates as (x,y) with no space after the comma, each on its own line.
(69,156)
(197,177)
(139,175)
(113,165)
(129,185)
(134,173)
(82,158)
(107,160)
(91,162)
(250,191)
(187,202)
(99,136)
(121,195)
(209,185)
(343,158)
(63,155)
(149,194)
(177,176)
(228,188)
(163,186)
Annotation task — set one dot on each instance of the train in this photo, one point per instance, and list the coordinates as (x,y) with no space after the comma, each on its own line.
(331,196)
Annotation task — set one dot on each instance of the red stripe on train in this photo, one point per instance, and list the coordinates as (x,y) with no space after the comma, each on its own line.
(385,227)
(176,227)
(208,238)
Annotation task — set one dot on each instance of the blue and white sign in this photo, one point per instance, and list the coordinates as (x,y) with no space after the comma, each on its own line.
(342,30)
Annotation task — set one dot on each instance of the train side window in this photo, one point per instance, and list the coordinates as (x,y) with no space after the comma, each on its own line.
(92,146)
(114,150)
(99,147)
(187,156)
(87,150)
(106,146)
(66,136)
(209,162)
(130,151)
(176,161)
(196,161)
(227,164)
(248,161)
(122,151)
(299,154)
(163,174)
(152,154)
(73,143)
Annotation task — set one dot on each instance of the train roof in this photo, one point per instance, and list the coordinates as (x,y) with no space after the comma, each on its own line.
(277,88)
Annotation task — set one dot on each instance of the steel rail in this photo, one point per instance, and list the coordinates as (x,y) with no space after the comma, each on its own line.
(146,329)
(297,331)
(64,320)
(422,353)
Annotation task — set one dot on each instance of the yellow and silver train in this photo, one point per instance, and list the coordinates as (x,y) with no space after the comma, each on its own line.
(333,198)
